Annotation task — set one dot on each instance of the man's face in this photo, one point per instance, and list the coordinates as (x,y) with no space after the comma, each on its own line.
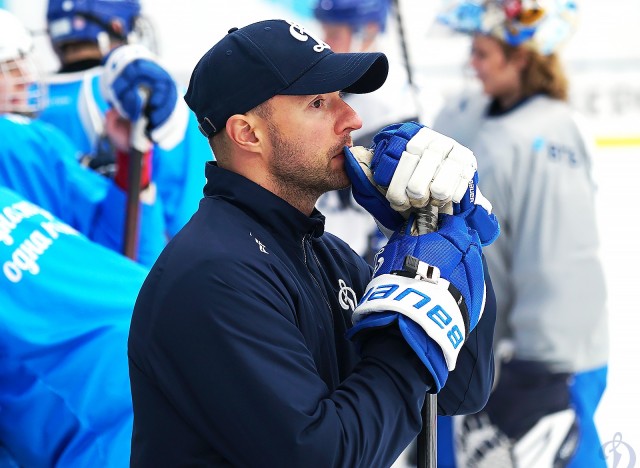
(307,135)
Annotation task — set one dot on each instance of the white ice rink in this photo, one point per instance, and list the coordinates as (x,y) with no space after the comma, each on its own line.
(604,65)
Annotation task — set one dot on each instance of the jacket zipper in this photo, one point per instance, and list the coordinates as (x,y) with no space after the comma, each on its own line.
(315,280)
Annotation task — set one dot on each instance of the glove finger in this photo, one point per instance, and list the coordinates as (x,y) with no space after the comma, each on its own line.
(434,148)
(390,143)
(128,102)
(447,182)
(451,181)
(423,139)
(397,191)
(365,193)
(418,187)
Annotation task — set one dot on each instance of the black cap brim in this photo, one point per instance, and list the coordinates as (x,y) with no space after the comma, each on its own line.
(356,73)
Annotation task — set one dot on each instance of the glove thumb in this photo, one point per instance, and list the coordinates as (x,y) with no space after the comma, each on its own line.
(364,189)
(475,209)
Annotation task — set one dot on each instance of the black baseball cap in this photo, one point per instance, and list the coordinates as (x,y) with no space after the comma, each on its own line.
(252,64)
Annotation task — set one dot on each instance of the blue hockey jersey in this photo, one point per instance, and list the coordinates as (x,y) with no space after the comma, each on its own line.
(66,307)
(39,162)
(77,107)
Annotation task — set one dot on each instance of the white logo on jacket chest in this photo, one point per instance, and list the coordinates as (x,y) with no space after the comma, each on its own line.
(346,296)
(261,246)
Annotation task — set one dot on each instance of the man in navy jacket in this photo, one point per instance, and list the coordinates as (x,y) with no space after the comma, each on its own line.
(241,347)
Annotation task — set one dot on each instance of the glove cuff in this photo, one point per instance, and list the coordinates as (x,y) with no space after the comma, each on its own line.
(429,304)
(172,130)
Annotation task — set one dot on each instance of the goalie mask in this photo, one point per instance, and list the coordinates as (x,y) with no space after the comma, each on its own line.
(543,25)
(20,91)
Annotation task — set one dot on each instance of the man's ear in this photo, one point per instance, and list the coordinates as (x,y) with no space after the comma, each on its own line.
(241,130)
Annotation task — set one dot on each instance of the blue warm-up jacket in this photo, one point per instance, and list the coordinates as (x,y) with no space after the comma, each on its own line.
(238,355)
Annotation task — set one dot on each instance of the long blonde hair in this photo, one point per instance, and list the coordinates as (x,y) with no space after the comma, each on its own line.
(542,74)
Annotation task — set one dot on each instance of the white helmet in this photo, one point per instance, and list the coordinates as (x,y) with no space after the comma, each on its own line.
(15,40)
(20,91)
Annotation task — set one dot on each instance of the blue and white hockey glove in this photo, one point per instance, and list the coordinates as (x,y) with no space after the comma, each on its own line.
(136,85)
(410,166)
(433,286)
(475,209)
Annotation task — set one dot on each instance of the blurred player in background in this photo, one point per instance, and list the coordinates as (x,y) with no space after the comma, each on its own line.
(66,302)
(352,25)
(83,34)
(546,267)
(38,161)
(66,308)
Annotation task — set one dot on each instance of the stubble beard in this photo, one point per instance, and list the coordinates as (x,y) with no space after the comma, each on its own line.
(304,181)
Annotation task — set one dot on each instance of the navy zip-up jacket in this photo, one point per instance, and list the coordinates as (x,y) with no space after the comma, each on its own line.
(238,355)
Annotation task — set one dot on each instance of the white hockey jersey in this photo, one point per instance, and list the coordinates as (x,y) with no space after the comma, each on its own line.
(534,166)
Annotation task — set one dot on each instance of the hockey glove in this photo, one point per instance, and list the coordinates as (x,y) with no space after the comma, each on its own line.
(528,421)
(475,209)
(436,296)
(130,69)
(408,165)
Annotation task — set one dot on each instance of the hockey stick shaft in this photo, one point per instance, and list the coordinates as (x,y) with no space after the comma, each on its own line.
(137,148)
(427,221)
(405,56)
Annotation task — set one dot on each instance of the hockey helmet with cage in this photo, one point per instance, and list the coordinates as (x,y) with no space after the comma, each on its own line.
(544,25)
(20,91)
(91,20)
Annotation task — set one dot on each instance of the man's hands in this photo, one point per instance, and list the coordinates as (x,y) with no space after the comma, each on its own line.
(137,86)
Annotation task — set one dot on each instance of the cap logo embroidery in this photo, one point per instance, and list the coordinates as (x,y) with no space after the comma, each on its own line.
(300,34)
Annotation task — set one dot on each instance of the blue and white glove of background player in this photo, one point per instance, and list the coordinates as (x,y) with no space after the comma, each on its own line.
(131,69)
(410,166)
(433,286)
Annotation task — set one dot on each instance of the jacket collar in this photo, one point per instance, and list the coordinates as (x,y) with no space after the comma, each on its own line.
(265,207)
